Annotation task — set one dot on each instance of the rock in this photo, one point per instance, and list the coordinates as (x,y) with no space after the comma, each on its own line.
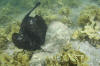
(57,35)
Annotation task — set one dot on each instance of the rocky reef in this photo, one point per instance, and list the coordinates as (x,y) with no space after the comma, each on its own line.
(55,46)
(72,37)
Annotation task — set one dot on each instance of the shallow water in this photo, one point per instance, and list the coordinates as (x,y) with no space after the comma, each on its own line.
(60,15)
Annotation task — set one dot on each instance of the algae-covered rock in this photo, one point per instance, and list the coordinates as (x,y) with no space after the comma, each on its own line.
(89,14)
(6,60)
(92,52)
(90,32)
(50,17)
(12,28)
(6,34)
(89,21)
(3,39)
(65,11)
(64,14)
(22,59)
(18,59)
(68,57)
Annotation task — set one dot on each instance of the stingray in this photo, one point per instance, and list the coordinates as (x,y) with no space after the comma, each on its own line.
(32,32)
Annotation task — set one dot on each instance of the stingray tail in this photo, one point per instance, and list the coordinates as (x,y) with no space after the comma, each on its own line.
(37,4)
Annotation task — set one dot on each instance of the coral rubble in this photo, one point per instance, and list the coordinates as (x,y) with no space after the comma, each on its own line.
(68,57)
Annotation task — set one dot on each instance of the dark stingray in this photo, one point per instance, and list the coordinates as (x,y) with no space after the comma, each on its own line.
(32,32)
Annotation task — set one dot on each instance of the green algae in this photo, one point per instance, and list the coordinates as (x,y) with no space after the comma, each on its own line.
(6,34)
(18,59)
(3,39)
(65,11)
(72,3)
(89,22)
(90,32)
(89,14)
(12,28)
(68,57)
